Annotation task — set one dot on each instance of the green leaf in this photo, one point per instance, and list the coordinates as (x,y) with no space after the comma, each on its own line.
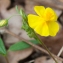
(21,45)
(2,48)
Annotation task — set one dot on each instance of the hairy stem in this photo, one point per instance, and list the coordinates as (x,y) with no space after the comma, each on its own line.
(42,43)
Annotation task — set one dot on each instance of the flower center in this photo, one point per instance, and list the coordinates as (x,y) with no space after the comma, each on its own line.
(48,16)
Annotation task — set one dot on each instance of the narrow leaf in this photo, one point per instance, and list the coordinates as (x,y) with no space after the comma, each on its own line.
(2,48)
(21,45)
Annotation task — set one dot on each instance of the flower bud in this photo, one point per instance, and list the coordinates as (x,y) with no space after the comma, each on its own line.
(3,23)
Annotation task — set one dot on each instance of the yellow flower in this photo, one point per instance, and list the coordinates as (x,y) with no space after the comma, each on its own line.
(45,23)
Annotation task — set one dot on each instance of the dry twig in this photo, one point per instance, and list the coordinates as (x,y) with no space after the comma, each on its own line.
(61,50)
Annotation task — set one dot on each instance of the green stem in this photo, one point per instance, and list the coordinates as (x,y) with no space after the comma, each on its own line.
(6,59)
(13,16)
(42,43)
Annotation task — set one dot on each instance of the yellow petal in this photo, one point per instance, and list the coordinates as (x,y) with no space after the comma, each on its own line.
(34,20)
(42,30)
(39,10)
(53,28)
(50,15)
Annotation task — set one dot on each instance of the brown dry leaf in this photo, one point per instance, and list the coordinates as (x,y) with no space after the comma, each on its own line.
(29,6)
(61,1)
(45,60)
(16,56)
(50,3)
